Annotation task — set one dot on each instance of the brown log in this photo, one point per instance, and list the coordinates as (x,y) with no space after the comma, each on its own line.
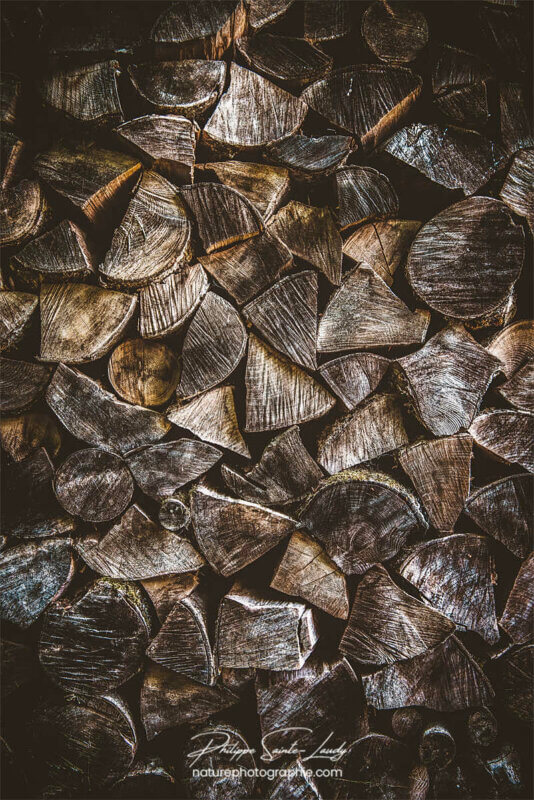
(148,777)
(199,29)
(516,189)
(24,213)
(406,722)
(161,470)
(437,747)
(174,513)
(396,34)
(378,766)
(265,12)
(166,591)
(167,143)
(189,87)
(364,194)
(519,390)
(16,312)
(353,377)
(517,618)
(231,750)
(12,152)
(22,435)
(165,306)
(212,417)
(506,435)
(516,125)
(284,59)
(382,244)
(294,782)
(88,94)
(460,86)
(309,158)
(513,346)
(503,509)
(325,20)
(143,373)
(61,254)
(482,727)
(10,91)
(21,383)
(264,185)
(514,672)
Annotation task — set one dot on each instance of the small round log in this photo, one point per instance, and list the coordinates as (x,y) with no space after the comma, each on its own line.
(482,727)
(437,747)
(406,722)
(143,373)
(396,33)
(173,514)
(189,87)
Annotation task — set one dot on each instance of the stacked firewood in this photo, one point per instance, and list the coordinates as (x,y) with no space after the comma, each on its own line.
(266,385)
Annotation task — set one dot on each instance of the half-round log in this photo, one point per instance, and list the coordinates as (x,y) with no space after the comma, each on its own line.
(61,254)
(284,59)
(188,87)
(309,158)
(22,435)
(202,29)
(460,86)
(264,185)
(506,435)
(513,346)
(265,12)
(326,20)
(167,590)
(21,383)
(166,142)
(24,213)
(519,389)
(88,94)
(517,618)
(504,510)
(354,377)
(364,194)
(143,373)
(396,33)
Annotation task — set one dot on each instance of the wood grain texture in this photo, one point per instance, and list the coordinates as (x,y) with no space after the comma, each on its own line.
(382,244)
(353,377)
(519,389)
(166,591)
(326,21)
(24,213)
(285,59)
(166,142)
(506,435)
(161,469)
(513,346)
(264,12)
(88,94)
(396,37)
(144,373)
(164,306)
(22,435)
(60,254)
(312,158)
(189,87)
(379,764)
(16,312)
(263,184)
(364,194)
(205,29)
(406,722)
(513,681)
(21,383)
(517,187)
(503,509)
(517,618)
(295,782)
(516,124)
(460,83)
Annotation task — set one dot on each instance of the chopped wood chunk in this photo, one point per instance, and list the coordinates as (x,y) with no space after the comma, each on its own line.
(166,305)
(61,254)
(86,94)
(382,244)
(226,742)
(292,62)
(22,435)
(161,469)
(21,383)
(355,376)
(506,435)
(513,346)
(166,142)
(264,12)
(325,20)
(459,82)
(144,373)
(188,87)
(364,194)
(204,29)
(378,763)
(503,509)
(310,158)
(24,213)
(167,590)
(264,185)
(518,616)
(396,33)
(516,124)
(16,312)
(519,390)
(517,187)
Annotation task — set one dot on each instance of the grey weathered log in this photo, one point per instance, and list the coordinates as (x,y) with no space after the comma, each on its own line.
(189,87)
(265,12)
(61,254)
(264,185)
(287,60)
(312,158)
(21,383)
(164,306)
(506,435)
(519,389)
(517,618)
(437,748)
(166,591)
(513,346)
(516,124)
(166,143)
(513,673)
(517,187)
(212,417)
(460,86)
(406,723)
(24,213)
(161,470)
(503,509)
(229,748)
(22,435)
(88,94)
(382,244)
(144,373)
(482,727)
(199,29)
(364,194)
(326,21)
(353,377)
(16,313)
(396,33)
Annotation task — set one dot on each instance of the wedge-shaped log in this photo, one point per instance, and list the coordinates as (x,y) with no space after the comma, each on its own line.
(504,510)
(88,94)
(264,185)
(144,373)
(280,394)
(81,323)
(189,87)
(368,101)
(362,518)
(97,417)
(455,575)
(256,629)
(506,435)
(33,575)
(517,188)
(166,591)
(212,417)
(517,618)
(460,86)
(16,312)
(161,469)
(437,748)
(370,431)
(519,390)
(306,571)
(94,642)
(174,513)
(206,29)
(355,376)
(24,213)
(312,158)
(447,379)
(364,313)
(166,142)
(440,470)
(364,194)
(240,123)
(382,244)
(513,346)
(22,435)
(396,34)
(166,305)
(233,533)
(226,742)
(21,383)
(135,548)
(284,59)
(325,21)
(61,254)
(514,671)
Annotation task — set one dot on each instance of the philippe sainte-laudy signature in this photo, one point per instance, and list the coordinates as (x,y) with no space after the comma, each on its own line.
(221,741)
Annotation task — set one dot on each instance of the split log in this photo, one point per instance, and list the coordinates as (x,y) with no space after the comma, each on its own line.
(312,158)
(364,194)
(365,314)
(182,643)
(513,346)
(166,305)
(517,187)
(166,142)
(447,379)
(378,766)
(514,681)
(135,548)
(296,782)
(460,86)
(354,377)
(482,727)
(24,213)
(212,417)
(440,470)
(326,20)
(506,435)
(503,509)
(214,345)
(362,518)
(229,756)
(21,383)
(88,94)
(371,430)
(18,666)
(311,234)
(166,591)
(174,514)
(16,312)
(518,616)
(476,237)
(199,29)
(382,244)
(445,678)
(455,575)
(188,87)
(61,254)
(284,59)
(143,373)
(11,152)
(519,390)
(233,533)
(169,699)
(95,416)
(10,91)
(95,642)
(279,394)
(239,123)
(451,157)
(94,485)
(368,101)
(148,777)
(388,625)
(516,124)
(81,323)
(22,435)
(263,185)
(161,470)
(286,315)
(437,748)
(406,723)
(153,237)
(265,12)
(33,575)
(395,33)
(307,572)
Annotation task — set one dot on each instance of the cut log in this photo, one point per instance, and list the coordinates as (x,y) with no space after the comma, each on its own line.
(16,312)
(21,383)
(22,435)
(284,59)
(312,158)
(135,548)
(10,91)
(24,213)
(506,435)
(311,234)
(503,509)
(306,571)
(199,29)
(161,470)
(167,590)
(364,194)
(33,575)
(370,431)
(11,151)
(379,765)
(355,376)
(148,777)
(153,237)
(368,101)
(513,682)
(94,642)
(81,323)
(406,723)
(169,699)
(188,87)
(476,237)
(233,533)
(59,255)
(174,514)
(362,518)
(214,345)
(381,244)
(165,306)
(182,643)
(445,678)
(225,748)
(513,346)
(264,185)
(87,94)
(295,781)
(519,390)
(166,142)
(279,394)
(516,124)
(388,625)
(440,470)
(212,417)
(240,122)
(482,727)
(518,616)
(94,485)
(517,187)
(460,86)
(326,20)
(447,379)
(365,314)
(437,748)
(143,373)
(265,12)
(396,34)
(455,575)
